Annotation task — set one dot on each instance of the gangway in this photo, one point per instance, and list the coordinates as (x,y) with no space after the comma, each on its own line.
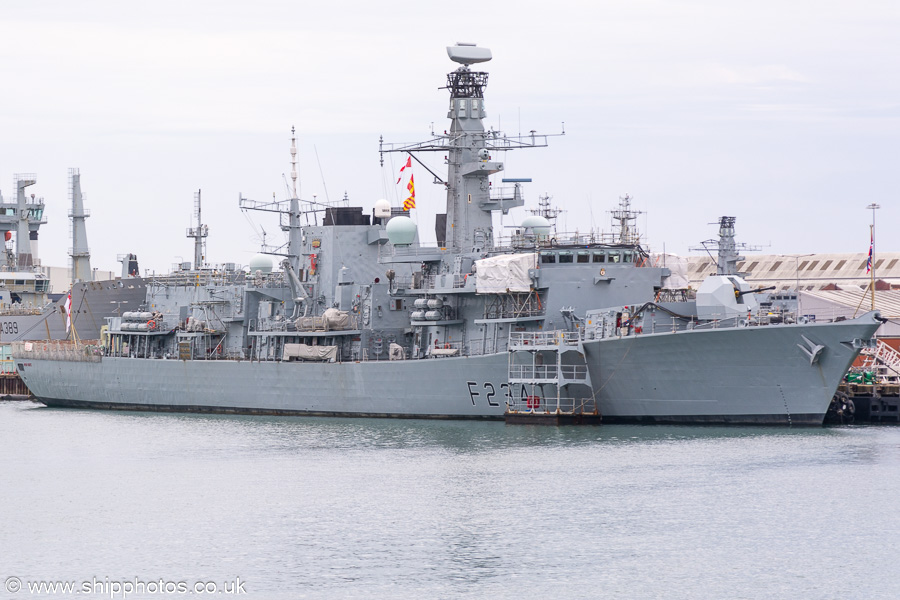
(550,373)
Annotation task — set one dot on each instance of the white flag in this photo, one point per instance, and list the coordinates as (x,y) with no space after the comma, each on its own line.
(68,312)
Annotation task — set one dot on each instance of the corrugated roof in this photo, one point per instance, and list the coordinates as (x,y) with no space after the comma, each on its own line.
(888,301)
(813,271)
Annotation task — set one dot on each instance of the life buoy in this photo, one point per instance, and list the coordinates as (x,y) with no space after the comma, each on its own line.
(533,401)
(447,346)
(151,324)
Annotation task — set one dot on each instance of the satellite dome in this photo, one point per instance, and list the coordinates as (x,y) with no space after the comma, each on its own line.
(401,231)
(382,209)
(262,263)
(537,224)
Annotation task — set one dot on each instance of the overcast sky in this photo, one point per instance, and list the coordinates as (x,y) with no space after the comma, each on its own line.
(785,115)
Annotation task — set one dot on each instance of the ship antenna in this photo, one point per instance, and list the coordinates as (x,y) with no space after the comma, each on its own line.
(294,161)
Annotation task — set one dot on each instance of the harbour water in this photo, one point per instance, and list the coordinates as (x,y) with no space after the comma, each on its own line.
(356,508)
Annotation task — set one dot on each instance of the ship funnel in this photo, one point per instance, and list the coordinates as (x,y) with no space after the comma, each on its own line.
(80,253)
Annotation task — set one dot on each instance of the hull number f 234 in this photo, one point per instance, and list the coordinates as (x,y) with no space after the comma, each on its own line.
(489,392)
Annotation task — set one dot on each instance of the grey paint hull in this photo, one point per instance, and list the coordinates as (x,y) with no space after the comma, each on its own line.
(746,375)
(92,302)
(738,375)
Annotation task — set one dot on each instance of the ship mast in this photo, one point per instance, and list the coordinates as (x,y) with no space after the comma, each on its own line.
(624,220)
(728,257)
(199,234)
(469,221)
(468,148)
(294,162)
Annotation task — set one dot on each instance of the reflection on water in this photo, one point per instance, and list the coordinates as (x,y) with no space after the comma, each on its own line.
(316,507)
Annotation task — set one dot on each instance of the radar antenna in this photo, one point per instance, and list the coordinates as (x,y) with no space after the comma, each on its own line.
(727,248)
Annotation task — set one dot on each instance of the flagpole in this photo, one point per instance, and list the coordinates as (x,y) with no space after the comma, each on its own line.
(873,207)
(872,260)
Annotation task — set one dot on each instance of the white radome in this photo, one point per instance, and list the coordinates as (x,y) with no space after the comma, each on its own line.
(382,209)
(401,231)
(261,263)
(537,224)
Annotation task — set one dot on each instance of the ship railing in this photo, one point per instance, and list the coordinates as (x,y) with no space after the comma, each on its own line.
(524,240)
(57,350)
(203,277)
(390,250)
(548,372)
(454,281)
(543,338)
(535,404)
(18,310)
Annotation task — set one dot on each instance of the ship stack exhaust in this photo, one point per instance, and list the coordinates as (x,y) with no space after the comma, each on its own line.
(80,254)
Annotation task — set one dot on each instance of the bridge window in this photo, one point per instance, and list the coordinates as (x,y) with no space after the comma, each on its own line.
(584,257)
(614,256)
(566,257)
(548,258)
(599,257)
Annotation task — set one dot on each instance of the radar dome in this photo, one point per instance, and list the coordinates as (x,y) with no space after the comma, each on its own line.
(537,224)
(382,209)
(401,231)
(262,263)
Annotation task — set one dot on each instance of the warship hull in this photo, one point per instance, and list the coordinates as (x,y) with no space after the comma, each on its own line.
(92,302)
(741,376)
(744,375)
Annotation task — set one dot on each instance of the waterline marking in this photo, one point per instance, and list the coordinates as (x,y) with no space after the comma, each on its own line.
(115,588)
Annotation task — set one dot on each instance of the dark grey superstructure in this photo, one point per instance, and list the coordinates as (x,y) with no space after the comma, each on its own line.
(358,318)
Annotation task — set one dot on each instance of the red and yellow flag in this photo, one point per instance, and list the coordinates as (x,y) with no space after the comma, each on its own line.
(411,201)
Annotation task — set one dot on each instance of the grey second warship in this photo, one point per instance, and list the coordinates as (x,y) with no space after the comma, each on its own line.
(27,311)
(360,319)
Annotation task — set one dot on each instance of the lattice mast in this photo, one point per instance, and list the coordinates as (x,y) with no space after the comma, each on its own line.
(469,220)
(199,233)
(624,222)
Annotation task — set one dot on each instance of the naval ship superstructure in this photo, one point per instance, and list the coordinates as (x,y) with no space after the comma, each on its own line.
(27,311)
(358,318)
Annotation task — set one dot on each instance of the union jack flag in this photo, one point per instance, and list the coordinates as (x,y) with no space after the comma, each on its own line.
(871,247)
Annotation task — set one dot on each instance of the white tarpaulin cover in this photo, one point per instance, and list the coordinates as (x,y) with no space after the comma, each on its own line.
(307,352)
(678,265)
(336,320)
(504,273)
(396,352)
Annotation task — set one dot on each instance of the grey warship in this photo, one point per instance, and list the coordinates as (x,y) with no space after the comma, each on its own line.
(355,317)
(27,311)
